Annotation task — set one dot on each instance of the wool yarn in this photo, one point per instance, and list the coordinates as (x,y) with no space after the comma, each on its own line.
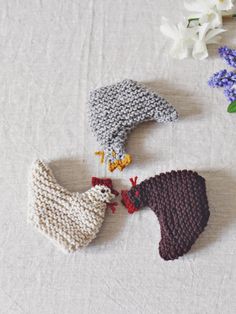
(179,200)
(116,109)
(70,220)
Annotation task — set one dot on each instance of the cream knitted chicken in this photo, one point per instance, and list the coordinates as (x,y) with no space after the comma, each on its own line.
(71,220)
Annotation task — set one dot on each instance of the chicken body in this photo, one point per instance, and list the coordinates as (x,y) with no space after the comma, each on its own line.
(71,220)
(115,110)
(179,200)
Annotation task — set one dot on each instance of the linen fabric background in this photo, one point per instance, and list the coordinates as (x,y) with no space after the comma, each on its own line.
(52,54)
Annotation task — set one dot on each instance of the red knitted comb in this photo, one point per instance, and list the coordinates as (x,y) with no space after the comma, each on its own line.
(106,181)
(134,181)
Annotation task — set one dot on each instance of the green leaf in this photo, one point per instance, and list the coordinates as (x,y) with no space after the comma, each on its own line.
(232,107)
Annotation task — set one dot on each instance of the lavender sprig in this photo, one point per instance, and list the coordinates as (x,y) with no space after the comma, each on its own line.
(226,79)
(229,55)
(230,93)
(222,79)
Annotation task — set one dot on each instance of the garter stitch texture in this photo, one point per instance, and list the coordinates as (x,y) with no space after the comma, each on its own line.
(71,220)
(179,200)
(115,110)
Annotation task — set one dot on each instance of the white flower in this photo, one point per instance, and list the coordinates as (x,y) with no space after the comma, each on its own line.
(200,29)
(182,36)
(205,36)
(203,5)
(223,5)
(231,11)
(206,11)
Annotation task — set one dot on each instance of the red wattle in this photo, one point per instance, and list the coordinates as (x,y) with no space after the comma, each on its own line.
(127,202)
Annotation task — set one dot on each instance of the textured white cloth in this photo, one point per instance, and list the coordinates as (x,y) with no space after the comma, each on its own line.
(52,54)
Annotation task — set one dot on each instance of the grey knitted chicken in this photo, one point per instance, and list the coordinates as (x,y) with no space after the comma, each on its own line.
(116,109)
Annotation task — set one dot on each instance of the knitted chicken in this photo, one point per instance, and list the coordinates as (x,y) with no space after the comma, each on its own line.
(179,200)
(71,220)
(115,110)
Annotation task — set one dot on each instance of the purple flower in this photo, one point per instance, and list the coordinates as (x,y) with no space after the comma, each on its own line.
(229,55)
(230,93)
(223,79)
(226,79)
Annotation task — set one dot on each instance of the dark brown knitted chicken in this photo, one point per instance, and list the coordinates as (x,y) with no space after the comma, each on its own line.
(179,200)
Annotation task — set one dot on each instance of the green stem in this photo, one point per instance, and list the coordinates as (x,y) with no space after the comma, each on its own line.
(190,20)
(197,19)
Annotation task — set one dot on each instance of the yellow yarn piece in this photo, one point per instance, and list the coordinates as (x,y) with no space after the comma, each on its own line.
(120,164)
(102,154)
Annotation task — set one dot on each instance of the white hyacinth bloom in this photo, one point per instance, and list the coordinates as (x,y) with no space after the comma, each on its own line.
(206,11)
(201,28)
(182,36)
(206,36)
